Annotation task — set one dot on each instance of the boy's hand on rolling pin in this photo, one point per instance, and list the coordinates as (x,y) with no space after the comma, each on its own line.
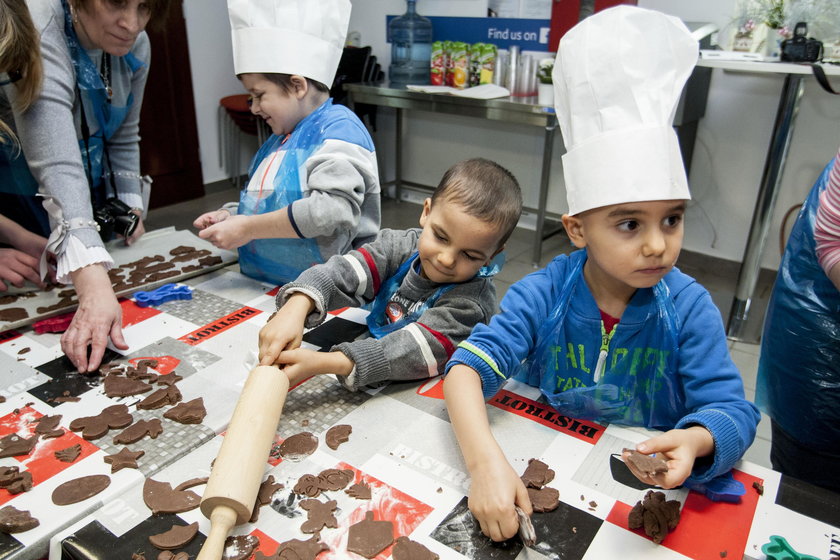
(494,490)
(228,234)
(301,364)
(209,218)
(679,448)
(285,330)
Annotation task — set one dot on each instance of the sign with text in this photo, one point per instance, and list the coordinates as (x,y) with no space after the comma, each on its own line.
(528,34)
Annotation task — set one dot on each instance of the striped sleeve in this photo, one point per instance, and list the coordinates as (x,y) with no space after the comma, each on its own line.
(827,227)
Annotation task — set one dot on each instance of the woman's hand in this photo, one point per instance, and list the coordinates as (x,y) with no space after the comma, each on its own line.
(209,218)
(680,448)
(16,267)
(99,317)
(229,234)
(138,231)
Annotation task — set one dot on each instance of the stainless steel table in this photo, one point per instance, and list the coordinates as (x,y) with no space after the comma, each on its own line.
(504,109)
(774,163)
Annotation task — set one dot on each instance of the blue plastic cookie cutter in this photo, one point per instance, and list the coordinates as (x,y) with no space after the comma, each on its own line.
(723,488)
(167,292)
(779,549)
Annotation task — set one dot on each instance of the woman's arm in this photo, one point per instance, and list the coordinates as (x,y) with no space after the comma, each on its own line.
(827,226)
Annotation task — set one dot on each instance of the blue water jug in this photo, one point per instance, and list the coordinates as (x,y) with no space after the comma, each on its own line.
(410,36)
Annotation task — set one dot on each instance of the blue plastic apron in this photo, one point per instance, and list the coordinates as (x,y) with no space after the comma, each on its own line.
(281,260)
(631,390)
(379,321)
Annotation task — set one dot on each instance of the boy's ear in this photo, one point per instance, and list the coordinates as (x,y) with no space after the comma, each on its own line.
(427,207)
(574,229)
(300,85)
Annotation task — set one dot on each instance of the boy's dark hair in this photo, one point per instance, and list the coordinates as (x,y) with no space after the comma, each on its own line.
(284,81)
(485,190)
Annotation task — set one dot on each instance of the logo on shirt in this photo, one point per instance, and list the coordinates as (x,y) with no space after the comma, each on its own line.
(394,311)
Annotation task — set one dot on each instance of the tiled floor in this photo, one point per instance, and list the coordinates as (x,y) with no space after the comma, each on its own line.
(717,276)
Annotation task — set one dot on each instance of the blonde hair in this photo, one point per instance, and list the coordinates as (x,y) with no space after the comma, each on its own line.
(19,52)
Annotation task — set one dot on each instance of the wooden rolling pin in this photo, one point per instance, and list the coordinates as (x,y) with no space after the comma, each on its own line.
(238,470)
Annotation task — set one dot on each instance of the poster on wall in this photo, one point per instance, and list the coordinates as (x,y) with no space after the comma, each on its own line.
(529,9)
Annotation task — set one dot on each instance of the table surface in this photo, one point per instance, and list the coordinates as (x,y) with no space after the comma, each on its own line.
(401,445)
(766,67)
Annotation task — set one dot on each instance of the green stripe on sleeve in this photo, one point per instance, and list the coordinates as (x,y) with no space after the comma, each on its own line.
(484,357)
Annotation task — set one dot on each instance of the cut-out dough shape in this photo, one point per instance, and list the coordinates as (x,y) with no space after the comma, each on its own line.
(161,498)
(138,431)
(111,418)
(369,537)
(125,458)
(176,537)
(189,412)
(320,515)
(13,520)
(338,435)
(79,489)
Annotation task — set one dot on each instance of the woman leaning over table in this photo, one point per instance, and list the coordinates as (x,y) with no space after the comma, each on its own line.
(80,140)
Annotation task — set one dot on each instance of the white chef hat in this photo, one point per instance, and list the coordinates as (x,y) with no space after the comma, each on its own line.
(617,78)
(304,37)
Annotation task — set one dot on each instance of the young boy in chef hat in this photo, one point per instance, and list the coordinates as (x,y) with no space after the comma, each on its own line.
(612,332)
(313,190)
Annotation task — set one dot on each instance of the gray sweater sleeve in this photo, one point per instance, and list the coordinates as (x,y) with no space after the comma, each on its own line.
(49,130)
(419,350)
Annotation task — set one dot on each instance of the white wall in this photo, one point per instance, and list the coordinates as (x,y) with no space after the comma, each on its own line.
(728,158)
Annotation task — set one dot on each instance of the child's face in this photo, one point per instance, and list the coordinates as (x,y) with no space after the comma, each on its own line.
(454,245)
(630,245)
(281,110)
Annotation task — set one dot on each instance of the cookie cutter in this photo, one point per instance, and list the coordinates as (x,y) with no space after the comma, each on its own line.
(526,528)
(779,549)
(167,292)
(723,488)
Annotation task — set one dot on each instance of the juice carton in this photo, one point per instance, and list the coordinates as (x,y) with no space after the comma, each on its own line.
(487,63)
(460,64)
(438,64)
(475,64)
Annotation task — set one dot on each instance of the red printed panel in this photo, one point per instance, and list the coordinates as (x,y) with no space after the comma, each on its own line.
(273,291)
(41,462)
(544,414)
(433,388)
(165,363)
(219,326)
(707,529)
(134,314)
(6,336)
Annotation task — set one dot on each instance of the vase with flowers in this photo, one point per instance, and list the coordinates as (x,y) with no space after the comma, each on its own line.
(760,26)
(545,86)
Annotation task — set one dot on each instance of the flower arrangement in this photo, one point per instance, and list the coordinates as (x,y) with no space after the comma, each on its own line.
(544,69)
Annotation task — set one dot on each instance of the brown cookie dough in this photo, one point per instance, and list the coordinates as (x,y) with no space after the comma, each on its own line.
(407,549)
(94,427)
(181,249)
(657,516)
(79,489)
(240,547)
(13,445)
(69,454)
(169,555)
(15,481)
(176,537)
(13,520)
(544,499)
(537,474)
(189,412)
(138,431)
(12,314)
(369,537)
(296,550)
(194,255)
(47,426)
(645,463)
(335,479)
(266,491)
(308,485)
(210,261)
(169,379)
(119,386)
(125,458)
(360,491)
(298,446)
(161,397)
(338,435)
(319,515)
(192,483)
(161,498)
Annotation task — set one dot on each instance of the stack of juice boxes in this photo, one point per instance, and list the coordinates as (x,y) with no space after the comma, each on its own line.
(462,65)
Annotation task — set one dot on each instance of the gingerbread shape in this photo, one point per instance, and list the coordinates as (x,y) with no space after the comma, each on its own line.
(657,516)
(161,498)
(13,445)
(15,481)
(295,549)
(407,549)
(369,537)
(176,537)
(13,520)
(537,474)
(319,515)
(94,427)
(47,426)
(189,412)
(138,431)
(267,489)
(544,499)
(161,397)
(360,491)
(125,458)
(240,547)
(644,464)
(308,485)
(69,454)
(298,446)
(337,435)
(118,386)
(79,489)
(335,479)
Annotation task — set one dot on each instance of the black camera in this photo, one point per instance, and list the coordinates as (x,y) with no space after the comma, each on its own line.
(115,216)
(801,48)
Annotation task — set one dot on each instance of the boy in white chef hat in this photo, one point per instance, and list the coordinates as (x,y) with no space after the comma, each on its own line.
(612,332)
(313,190)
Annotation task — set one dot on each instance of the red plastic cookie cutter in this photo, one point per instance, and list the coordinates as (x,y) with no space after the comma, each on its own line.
(59,323)
(167,292)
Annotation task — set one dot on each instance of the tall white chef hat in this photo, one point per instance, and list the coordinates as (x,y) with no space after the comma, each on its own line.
(618,77)
(304,37)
